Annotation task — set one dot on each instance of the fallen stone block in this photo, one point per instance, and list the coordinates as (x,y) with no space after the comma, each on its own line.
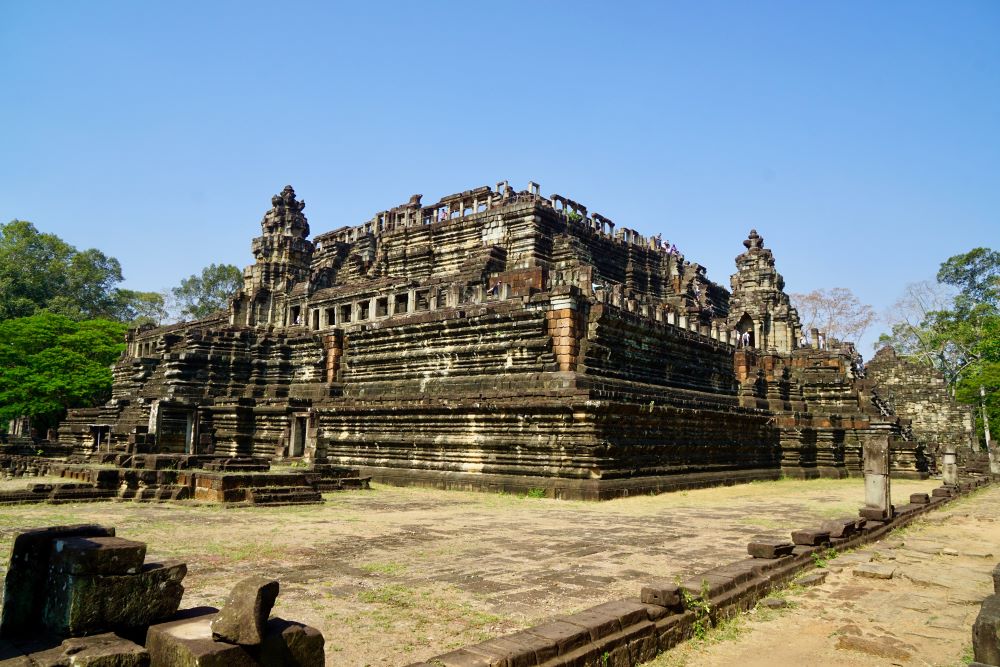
(27,575)
(84,604)
(919,498)
(768,546)
(662,594)
(986,632)
(96,555)
(774,603)
(874,571)
(245,612)
(810,537)
(290,644)
(943,492)
(841,528)
(104,650)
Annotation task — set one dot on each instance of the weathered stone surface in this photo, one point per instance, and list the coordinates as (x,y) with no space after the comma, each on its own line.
(244,614)
(104,650)
(813,579)
(774,603)
(82,604)
(25,582)
(97,555)
(919,499)
(986,632)
(186,641)
(996,578)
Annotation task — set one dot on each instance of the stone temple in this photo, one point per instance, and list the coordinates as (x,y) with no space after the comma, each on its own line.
(503,340)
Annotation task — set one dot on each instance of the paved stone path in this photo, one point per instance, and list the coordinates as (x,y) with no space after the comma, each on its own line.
(940,569)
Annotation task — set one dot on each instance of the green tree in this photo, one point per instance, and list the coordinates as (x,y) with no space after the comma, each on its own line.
(40,271)
(201,295)
(954,326)
(50,363)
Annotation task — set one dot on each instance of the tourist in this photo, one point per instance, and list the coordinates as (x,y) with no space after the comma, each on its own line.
(746,338)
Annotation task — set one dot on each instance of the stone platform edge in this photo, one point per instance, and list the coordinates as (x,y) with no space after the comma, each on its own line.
(567,488)
(630,632)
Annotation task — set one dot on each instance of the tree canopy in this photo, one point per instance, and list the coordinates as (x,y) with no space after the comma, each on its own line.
(41,272)
(954,326)
(49,363)
(201,295)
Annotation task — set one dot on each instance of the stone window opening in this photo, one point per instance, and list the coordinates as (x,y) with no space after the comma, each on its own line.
(331,314)
(402,304)
(382,306)
(296,315)
(363,309)
(315,319)
(423,301)
(345,313)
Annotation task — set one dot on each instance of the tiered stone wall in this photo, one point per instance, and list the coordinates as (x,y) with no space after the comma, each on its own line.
(920,394)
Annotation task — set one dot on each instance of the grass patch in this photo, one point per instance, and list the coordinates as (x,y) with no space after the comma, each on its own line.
(383,568)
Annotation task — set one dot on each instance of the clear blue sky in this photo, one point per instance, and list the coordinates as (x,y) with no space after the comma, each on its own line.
(862,140)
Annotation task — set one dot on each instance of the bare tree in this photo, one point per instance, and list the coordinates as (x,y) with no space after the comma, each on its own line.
(836,311)
(911,321)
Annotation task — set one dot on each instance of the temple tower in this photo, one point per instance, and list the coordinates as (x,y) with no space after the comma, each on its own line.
(282,253)
(759,303)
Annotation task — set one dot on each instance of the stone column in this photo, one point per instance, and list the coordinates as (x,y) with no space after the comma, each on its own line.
(565,328)
(949,466)
(878,503)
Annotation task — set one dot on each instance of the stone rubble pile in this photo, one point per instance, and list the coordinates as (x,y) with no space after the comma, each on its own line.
(79,596)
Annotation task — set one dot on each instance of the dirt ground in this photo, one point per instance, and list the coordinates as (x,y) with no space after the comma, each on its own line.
(923,615)
(396,575)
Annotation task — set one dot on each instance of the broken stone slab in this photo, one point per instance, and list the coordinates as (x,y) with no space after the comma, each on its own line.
(943,492)
(874,571)
(245,611)
(986,632)
(96,555)
(186,641)
(27,575)
(774,603)
(811,537)
(663,594)
(104,650)
(919,499)
(85,604)
(769,546)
